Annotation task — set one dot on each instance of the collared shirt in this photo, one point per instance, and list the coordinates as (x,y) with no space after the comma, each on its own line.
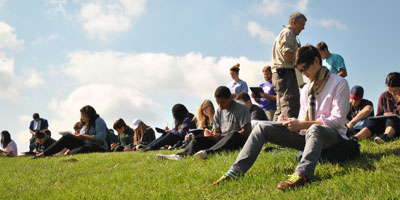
(386,103)
(332,104)
(334,63)
(285,42)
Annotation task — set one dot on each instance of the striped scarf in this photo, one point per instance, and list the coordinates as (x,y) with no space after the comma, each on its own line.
(316,86)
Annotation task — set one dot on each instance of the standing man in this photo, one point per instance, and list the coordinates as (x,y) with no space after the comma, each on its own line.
(360,110)
(283,70)
(334,62)
(268,97)
(36,125)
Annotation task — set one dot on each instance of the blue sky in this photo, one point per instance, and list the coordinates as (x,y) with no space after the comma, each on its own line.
(138,58)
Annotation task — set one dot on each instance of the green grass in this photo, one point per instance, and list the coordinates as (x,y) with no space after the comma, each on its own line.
(138,175)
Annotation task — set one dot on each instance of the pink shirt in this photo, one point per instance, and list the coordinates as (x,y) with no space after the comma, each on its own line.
(332,104)
(12,147)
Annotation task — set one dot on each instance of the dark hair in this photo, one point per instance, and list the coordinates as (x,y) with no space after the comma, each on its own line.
(393,79)
(78,125)
(7,138)
(91,114)
(119,124)
(47,132)
(322,46)
(307,54)
(222,92)
(243,96)
(179,112)
(40,135)
(35,116)
(235,68)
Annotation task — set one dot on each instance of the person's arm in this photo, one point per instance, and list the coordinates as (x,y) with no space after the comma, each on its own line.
(186,125)
(295,125)
(342,73)
(364,113)
(289,56)
(245,131)
(45,124)
(268,96)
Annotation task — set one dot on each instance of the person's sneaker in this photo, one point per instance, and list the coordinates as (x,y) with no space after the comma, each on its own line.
(168,157)
(222,179)
(382,139)
(294,180)
(202,155)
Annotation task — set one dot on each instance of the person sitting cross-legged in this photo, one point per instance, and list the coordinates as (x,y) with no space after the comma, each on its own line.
(360,110)
(321,123)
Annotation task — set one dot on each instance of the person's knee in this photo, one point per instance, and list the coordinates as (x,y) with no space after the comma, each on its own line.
(314,131)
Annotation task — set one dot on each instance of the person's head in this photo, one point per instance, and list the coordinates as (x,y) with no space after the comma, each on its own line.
(139,127)
(267,73)
(5,138)
(36,116)
(179,112)
(120,126)
(393,83)
(234,71)
(77,127)
(88,116)
(356,94)
(205,111)
(308,61)
(223,97)
(245,98)
(323,49)
(297,21)
(40,137)
(47,132)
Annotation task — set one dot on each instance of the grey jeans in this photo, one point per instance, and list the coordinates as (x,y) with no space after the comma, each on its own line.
(317,138)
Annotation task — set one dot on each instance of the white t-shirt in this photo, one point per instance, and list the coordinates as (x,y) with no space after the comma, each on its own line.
(12,147)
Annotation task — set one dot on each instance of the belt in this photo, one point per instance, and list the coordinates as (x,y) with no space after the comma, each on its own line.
(287,69)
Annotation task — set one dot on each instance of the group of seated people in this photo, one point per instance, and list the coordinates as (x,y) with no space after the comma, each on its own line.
(326,118)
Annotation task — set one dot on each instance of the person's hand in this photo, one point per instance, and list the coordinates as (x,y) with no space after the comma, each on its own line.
(293,124)
(166,129)
(262,94)
(388,113)
(187,137)
(208,133)
(282,118)
(349,125)
(66,152)
(252,95)
(112,145)
(81,137)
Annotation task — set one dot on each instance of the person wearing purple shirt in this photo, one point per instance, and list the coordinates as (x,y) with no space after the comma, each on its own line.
(388,104)
(324,103)
(9,146)
(268,100)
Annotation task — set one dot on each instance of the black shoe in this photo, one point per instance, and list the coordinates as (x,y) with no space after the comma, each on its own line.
(353,138)
(382,139)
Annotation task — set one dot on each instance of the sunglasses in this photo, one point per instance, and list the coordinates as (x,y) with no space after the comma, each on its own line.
(306,66)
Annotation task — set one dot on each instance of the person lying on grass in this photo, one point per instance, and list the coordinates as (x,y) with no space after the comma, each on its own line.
(389,103)
(231,128)
(92,137)
(321,123)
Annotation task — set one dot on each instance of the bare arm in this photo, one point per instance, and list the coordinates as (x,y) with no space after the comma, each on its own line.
(245,131)
(364,113)
(268,96)
(342,73)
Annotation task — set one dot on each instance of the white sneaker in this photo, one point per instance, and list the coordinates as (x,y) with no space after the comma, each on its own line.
(168,157)
(202,155)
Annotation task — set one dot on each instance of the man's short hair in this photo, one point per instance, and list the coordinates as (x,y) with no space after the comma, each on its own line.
(307,54)
(243,96)
(47,132)
(35,116)
(267,69)
(222,92)
(296,16)
(40,135)
(393,79)
(322,46)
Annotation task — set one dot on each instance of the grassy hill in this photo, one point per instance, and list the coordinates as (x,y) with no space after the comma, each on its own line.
(138,175)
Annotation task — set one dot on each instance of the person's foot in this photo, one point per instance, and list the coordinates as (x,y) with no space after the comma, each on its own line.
(294,180)
(382,139)
(168,157)
(224,178)
(201,155)
(354,138)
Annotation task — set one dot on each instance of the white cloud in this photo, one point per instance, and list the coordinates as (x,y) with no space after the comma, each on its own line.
(24,119)
(278,7)
(301,5)
(45,39)
(103,18)
(57,6)
(32,78)
(9,83)
(328,23)
(8,38)
(264,34)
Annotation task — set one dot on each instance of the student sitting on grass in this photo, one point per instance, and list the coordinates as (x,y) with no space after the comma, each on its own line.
(42,142)
(256,113)
(184,120)
(125,137)
(321,123)
(388,104)
(143,134)
(92,137)
(205,115)
(9,147)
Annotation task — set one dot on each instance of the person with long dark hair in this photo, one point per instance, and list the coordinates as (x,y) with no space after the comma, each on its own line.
(9,147)
(92,137)
(184,120)
(125,137)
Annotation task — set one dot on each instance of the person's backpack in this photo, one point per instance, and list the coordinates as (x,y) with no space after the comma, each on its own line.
(342,151)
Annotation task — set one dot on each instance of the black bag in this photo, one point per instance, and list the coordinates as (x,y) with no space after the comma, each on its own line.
(344,150)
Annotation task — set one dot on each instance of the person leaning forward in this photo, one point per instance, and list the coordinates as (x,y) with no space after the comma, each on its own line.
(283,70)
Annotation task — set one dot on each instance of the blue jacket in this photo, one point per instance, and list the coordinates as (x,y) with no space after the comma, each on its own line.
(188,123)
(43,124)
